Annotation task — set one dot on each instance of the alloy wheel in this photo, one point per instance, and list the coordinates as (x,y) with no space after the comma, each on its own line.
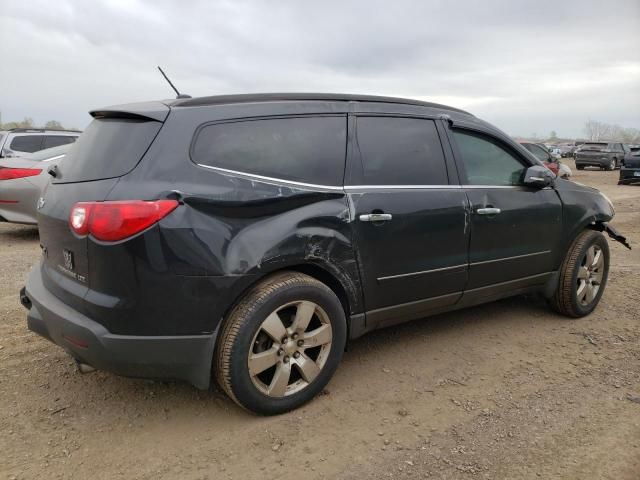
(590,275)
(290,348)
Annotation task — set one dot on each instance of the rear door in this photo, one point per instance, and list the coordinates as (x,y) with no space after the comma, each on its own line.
(515,229)
(409,219)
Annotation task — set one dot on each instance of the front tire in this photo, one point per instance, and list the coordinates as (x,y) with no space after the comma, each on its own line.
(579,167)
(281,344)
(612,164)
(583,275)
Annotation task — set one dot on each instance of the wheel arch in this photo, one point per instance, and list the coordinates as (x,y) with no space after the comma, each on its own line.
(344,288)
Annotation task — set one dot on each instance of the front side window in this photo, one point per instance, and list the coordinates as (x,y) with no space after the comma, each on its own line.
(302,149)
(400,151)
(486,162)
(26,143)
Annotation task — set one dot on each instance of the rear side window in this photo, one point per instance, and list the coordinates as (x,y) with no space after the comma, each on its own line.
(400,151)
(303,149)
(26,143)
(108,148)
(57,140)
(486,162)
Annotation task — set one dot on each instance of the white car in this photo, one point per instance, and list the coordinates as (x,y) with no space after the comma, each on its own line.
(22,180)
(19,142)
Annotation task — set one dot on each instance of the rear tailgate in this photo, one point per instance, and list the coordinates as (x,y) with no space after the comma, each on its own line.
(112,146)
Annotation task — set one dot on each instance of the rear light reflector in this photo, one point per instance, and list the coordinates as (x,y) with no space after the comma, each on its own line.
(76,341)
(7,173)
(117,220)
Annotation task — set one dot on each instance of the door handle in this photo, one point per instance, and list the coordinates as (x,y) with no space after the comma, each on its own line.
(488,211)
(376,217)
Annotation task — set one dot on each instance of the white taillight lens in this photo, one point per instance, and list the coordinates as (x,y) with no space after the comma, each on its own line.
(79,218)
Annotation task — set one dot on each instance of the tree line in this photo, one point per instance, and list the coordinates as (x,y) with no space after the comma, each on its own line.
(27,122)
(596,131)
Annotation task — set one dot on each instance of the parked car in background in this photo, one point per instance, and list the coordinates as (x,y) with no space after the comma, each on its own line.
(604,155)
(630,170)
(19,142)
(22,180)
(565,150)
(550,161)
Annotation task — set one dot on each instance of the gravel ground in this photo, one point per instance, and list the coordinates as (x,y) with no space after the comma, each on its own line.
(501,391)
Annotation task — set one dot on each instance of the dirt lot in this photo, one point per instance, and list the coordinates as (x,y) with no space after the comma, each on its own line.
(503,391)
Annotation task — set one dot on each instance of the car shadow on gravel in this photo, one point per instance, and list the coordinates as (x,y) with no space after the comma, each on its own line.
(13,232)
(157,397)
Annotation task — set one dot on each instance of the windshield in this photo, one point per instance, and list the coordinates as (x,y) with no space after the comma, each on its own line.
(539,152)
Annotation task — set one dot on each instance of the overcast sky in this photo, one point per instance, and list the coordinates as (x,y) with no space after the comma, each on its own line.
(526,66)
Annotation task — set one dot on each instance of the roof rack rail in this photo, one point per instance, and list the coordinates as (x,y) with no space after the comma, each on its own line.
(41,130)
(265,97)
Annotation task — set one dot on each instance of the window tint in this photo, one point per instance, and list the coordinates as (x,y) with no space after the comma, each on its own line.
(57,140)
(486,163)
(400,151)
(108,148)
(303,149)
(26,143)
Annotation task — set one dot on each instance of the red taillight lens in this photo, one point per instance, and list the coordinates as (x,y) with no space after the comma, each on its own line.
(7,173)
(117,220)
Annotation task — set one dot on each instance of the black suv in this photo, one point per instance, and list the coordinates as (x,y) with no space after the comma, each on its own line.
(605,155)
(249,237)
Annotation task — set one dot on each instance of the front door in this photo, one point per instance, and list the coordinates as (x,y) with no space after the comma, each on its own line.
(409,222)
(515,229)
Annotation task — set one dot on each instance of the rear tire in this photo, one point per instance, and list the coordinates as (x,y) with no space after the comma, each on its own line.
(583,275)
(579,167)
(281,344)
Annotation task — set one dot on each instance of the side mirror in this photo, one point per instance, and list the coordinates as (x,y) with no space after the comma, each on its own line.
(539,176)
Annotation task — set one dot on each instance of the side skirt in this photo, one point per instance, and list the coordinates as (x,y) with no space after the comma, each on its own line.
(396,314)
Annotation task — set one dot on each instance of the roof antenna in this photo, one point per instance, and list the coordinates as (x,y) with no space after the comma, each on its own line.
(178,94)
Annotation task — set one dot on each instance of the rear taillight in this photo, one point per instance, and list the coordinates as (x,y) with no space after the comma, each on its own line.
(117,220)
(7,173)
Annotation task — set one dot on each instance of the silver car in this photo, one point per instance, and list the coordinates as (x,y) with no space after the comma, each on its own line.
(22,180)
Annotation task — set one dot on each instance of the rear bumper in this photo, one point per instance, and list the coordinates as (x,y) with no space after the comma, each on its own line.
(628,175)
(593,162)
(183,357)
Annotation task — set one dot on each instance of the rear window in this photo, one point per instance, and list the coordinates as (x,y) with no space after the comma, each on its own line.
(26,143)
(302,149)
(594,146)
(108,148)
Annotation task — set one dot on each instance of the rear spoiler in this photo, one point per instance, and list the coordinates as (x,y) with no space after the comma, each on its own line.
(156,111)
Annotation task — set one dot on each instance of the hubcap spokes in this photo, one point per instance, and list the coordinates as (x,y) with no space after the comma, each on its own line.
(590,275)
(290,348)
